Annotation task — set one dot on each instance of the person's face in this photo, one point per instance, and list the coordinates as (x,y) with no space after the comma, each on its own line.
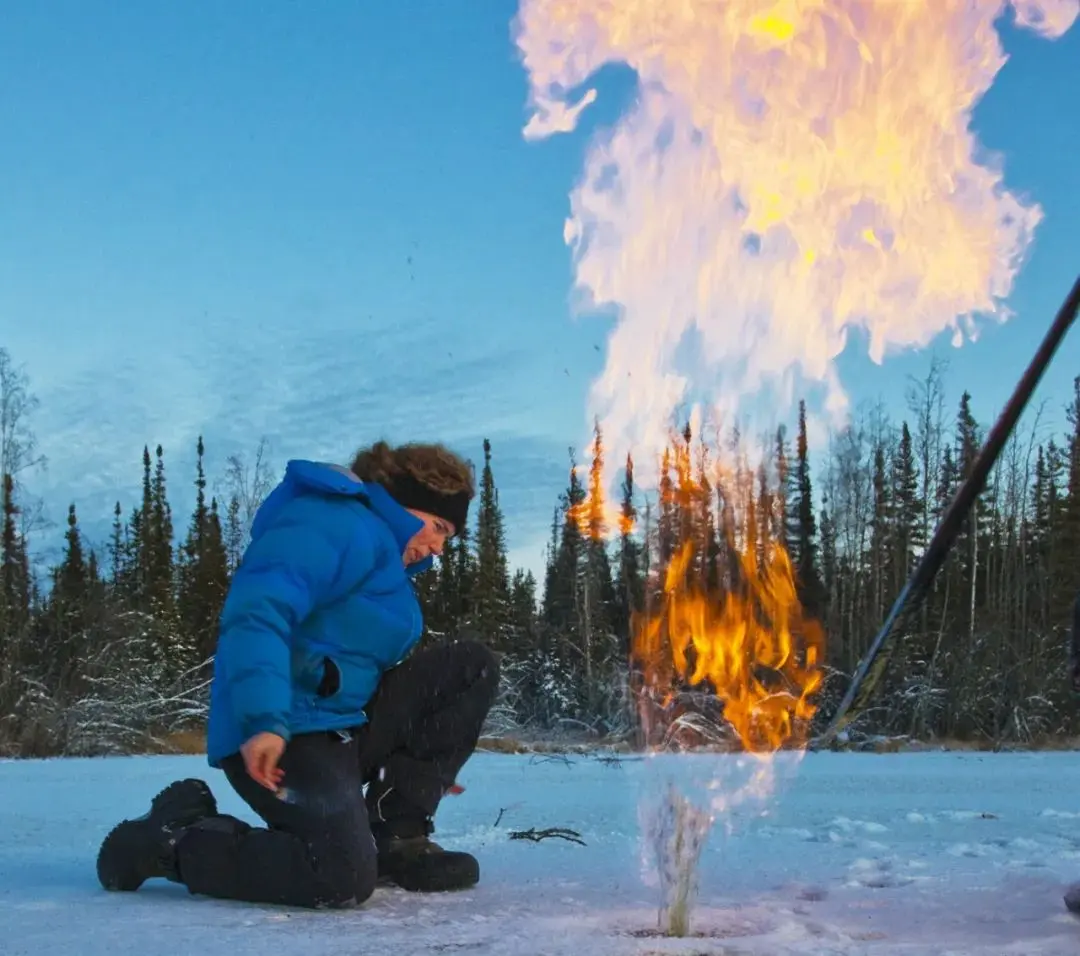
(429,540)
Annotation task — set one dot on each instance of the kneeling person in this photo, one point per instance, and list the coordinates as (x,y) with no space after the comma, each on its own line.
(313,701)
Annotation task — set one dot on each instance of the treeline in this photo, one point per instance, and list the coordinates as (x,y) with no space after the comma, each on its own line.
(980,658)
(111,651)
(113,654)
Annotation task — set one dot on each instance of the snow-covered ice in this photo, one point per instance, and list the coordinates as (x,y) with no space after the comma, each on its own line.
(913,854)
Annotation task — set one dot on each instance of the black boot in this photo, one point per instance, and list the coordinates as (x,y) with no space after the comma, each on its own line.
(144,848)
(408,857)
(411,860)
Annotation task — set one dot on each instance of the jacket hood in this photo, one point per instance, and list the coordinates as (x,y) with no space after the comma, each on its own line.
(330,479)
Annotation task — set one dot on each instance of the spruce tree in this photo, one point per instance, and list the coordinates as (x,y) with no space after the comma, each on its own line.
(667,528)
(782,495)
(445,606)
(465,579)
(116,547)
(67,610)
(967,547)
(491,587)
(152,539)
(765,512)
(161,540)
(523,611)
(426,588)
(233,533)
(830,607)
(558,675)
(141,535)
(1065,583)
(906,510)
(215,562)
(549,611)
(629,578)
(802,537)
(1040,518)
(188,597)
(881,547)
(597,602)
(561,599)
(15,582)
(202,574)
(707,550)
(72,577)
(684,503)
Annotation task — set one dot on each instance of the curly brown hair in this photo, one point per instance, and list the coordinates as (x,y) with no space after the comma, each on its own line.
(433,465)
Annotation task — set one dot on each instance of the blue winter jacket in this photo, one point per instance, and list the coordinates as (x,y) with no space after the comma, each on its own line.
(319,607)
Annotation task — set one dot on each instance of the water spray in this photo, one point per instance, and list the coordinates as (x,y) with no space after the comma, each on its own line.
(677,831)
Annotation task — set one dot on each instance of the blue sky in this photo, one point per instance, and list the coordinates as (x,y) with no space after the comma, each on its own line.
(322,224)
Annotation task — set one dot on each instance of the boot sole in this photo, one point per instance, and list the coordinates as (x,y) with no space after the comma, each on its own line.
(115,871)
(122,862)
(450,879)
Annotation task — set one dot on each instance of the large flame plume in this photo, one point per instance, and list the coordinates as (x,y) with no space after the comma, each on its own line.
(790,170)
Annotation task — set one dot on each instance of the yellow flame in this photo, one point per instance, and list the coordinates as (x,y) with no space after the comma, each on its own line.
(596,515)
(728,628)
(755,650)
(789,170)
(772,26)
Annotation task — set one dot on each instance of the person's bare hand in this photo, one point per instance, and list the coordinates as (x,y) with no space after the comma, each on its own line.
(261,754)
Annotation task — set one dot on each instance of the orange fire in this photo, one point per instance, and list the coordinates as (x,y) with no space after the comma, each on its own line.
(725,641)
(595,515)
(730,624)
(753,648)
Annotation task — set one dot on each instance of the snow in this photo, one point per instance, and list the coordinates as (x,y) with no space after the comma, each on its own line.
(929,853)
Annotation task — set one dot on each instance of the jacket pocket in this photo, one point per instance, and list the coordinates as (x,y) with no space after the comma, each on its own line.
(330,683)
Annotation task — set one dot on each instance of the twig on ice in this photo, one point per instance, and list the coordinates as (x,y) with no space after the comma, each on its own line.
(611,760)
(502,810)
(548,758)
(536,836)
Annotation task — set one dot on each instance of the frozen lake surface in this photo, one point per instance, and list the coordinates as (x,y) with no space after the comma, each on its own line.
(929,853)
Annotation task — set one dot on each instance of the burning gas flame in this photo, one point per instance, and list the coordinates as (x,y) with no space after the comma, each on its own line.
(790,170)
(595,515)
(755,651)
(723,651)
(727,624)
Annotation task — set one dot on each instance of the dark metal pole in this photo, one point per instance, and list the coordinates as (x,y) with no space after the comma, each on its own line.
(954,517)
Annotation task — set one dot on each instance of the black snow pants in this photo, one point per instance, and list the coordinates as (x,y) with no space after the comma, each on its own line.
(318,849)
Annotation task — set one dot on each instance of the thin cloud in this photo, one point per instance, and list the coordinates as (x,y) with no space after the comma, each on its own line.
(312,392)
